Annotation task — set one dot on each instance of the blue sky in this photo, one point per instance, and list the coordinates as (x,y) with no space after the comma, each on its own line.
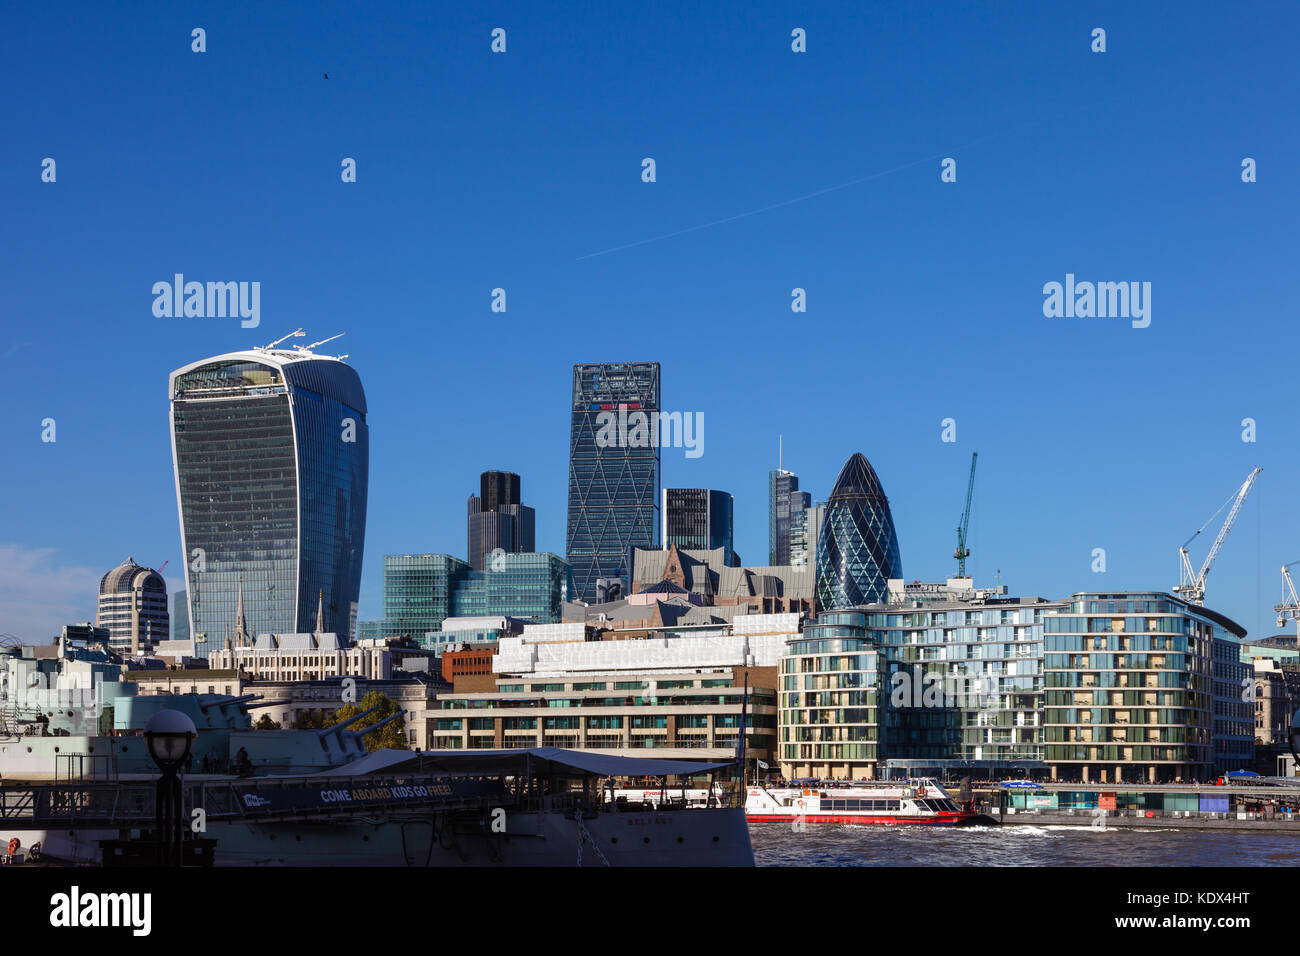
(479,170)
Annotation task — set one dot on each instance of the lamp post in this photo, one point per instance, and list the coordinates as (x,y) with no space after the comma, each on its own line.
(169,735)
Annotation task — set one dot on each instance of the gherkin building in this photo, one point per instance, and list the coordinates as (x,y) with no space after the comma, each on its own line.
(857,552)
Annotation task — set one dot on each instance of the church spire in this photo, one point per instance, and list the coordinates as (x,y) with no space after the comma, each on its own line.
(241,625)
(320,611)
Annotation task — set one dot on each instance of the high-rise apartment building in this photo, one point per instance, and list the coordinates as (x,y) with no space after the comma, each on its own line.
(613,470)
(271,454)
(1130,688)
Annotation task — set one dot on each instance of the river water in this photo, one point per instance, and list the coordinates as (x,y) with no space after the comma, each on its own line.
(777,844)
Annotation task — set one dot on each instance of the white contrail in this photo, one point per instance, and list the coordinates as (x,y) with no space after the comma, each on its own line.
(787,202)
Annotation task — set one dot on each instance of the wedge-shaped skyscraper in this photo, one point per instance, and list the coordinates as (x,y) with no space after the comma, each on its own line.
(271,453)
(857,552)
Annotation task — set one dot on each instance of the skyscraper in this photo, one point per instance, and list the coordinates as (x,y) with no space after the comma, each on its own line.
(180,617)
(133,608)
(805,530)
(699,519)
(613,470)
(496,520)
(857,552)
(784,499)
(271,453)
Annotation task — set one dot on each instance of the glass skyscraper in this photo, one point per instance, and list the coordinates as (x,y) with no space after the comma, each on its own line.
(613,470)
(784,501)
(699,519)
(857,552)
(271,455)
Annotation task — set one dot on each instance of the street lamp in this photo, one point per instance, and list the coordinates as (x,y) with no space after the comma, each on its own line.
(169,734)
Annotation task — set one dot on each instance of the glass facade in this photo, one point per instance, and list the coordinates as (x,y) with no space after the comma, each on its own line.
(271,452)
(613,470)
(531,587)
(1130,688)
(805,529)
(418,590)
(180,617)
(423,590)
(783,499)
(857,551)
(700,520)
(829,705)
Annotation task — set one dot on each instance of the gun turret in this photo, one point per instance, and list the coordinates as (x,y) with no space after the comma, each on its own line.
(347,723)
(223,701)
(383,723)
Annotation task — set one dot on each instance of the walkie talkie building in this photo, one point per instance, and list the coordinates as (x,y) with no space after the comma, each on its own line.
(271,455)
(613,471)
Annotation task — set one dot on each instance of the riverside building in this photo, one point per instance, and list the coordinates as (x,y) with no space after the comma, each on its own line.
(1130,688)
(678,691)
(939,679)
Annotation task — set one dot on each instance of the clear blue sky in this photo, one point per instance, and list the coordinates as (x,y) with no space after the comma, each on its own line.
(478,171)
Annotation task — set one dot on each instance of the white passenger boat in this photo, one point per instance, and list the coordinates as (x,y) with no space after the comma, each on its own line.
(889,803)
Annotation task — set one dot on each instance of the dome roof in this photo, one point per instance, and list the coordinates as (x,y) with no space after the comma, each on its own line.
(127,575)
(858,481)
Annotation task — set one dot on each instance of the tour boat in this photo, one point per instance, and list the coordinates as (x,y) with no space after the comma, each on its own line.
(912,802)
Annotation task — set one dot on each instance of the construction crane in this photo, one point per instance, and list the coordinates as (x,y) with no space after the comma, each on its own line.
(1191,584)
(1289,609)
(961,553)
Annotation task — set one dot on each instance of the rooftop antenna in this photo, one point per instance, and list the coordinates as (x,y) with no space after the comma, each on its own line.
(267,348)
(308,348)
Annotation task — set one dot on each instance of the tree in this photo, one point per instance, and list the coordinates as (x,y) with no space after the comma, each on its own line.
(266,723)
(313,720)
(393,735)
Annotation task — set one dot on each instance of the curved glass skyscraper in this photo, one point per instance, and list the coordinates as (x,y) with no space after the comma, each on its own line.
(271,451)
(857,552)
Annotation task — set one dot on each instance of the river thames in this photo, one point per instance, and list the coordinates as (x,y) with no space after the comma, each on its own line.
(777,844)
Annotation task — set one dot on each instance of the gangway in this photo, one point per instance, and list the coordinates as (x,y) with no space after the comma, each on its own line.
(126,805)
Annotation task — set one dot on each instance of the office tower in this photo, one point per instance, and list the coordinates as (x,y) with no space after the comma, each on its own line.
(180,617)
(805,528)
(498,488)
(699,519)
(422,590)
(271,451)
(496,521)
(133,608)
(418,592)
(857,552)
(784,499)
(613,470)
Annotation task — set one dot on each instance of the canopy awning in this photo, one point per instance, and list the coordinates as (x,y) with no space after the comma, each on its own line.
(538,760)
